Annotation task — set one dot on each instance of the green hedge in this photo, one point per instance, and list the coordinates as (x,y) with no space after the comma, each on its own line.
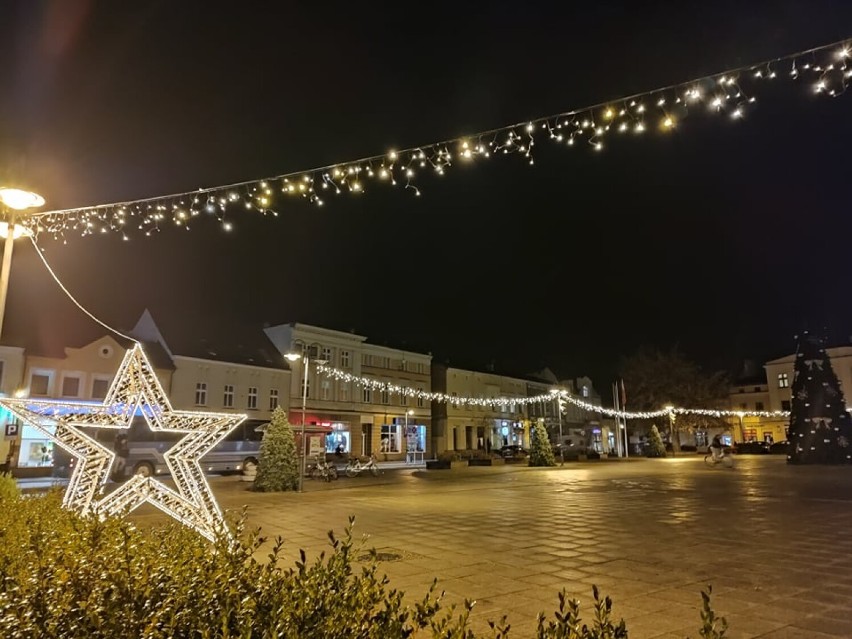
(66,576)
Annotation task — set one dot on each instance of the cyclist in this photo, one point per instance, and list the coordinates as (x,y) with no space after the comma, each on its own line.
(716,448)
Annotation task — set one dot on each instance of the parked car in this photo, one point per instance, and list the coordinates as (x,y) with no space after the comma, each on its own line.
(513,451)
(752,448)
(779,448)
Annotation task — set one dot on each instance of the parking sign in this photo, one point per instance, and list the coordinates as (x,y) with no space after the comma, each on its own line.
(11,430)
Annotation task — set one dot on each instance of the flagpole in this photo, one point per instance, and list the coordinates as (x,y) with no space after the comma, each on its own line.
(618,442)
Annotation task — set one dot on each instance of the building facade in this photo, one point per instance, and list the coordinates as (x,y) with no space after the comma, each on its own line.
(348,417)
(78,375)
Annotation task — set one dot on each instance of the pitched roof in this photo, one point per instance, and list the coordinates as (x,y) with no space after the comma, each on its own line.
(212,338)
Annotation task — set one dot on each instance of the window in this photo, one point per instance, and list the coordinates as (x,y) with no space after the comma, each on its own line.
(585,391)
(420,400)
(327,355)
(306,386)
(758,406)
(100,387)
(201,394)
(403,399)
(343,391)
(367,395)
(757,389)
(273,399)
(345,359)
(2,366)
(228,399)
(785,404)
(783,380)
(70,386)
(325,389)
(743,406)
(251,400)
(389,442)
(366,360)
(39,384)
(385,397)
(455,402)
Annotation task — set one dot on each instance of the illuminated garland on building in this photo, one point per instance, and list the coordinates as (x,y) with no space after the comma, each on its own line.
(730,94)
(135,387)
(505,402)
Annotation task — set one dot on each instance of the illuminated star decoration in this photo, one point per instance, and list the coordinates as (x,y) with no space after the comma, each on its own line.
(135,388)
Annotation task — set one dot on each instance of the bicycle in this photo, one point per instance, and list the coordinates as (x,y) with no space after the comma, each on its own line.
(321,469)
(355,466)
(712,461)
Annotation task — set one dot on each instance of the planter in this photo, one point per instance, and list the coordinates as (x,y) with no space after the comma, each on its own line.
(479,462)
(458,463)
(438,464)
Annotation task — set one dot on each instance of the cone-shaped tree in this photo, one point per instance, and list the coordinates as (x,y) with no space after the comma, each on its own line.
(541,453)
(655,447)
(820,428)
(278,466)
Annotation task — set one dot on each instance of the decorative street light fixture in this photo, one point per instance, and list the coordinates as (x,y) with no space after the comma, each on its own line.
(408,453)
(557,397)
(14,202)
(305,355)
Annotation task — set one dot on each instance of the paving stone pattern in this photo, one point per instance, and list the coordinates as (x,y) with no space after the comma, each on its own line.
(773,540)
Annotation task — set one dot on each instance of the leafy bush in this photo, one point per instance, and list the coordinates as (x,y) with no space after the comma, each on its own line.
(8,488)
(63,575)
(654,447)
(278,466)
(541,452)
(449,455)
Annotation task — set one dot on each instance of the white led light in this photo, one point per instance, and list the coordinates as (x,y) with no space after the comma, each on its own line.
(135,388)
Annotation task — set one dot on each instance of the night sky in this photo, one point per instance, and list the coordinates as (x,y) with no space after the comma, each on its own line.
(723,237)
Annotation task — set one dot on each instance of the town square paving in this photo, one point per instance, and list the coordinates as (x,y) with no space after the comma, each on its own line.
(774,541)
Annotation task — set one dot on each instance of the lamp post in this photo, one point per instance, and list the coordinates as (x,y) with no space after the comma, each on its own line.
(14,201)
(307,361)
(558,401)
(408,453)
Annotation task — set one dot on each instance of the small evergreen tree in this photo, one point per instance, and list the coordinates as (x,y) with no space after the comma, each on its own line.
(541,453)
(820,429)
(655,447)
(278,466)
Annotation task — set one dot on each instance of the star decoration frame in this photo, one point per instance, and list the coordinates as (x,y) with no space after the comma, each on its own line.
(134,390)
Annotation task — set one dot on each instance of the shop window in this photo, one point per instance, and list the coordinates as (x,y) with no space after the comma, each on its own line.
(251,399)
(273,399)
(389,442)
(228,398)
(339,440)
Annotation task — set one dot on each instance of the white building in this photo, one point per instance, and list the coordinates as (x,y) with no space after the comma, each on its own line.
(350,418)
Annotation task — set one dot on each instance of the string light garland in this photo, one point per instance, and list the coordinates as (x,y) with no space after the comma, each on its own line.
(135,388)
(505,402)
(825,69)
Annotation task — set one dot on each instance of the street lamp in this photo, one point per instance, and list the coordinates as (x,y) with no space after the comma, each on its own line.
(14,201)
(408,453)
(293,357)
(558,400)
(670,410)
(306,356)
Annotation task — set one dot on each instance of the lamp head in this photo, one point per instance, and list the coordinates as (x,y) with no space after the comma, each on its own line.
(19,199)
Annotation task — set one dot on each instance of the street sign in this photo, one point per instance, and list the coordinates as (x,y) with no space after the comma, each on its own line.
(11,430)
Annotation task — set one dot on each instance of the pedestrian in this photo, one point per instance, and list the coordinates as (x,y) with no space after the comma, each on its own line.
(122,452)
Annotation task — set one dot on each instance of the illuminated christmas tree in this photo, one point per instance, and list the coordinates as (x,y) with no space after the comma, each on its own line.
(820,428)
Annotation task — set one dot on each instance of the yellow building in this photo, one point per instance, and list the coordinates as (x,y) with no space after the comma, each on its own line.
(752,394)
